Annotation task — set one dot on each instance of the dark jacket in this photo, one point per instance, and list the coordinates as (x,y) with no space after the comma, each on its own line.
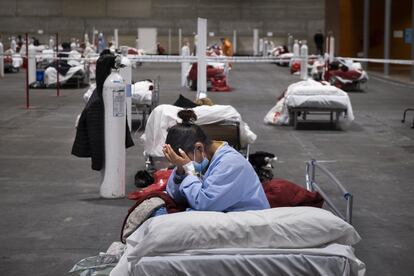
(89,140)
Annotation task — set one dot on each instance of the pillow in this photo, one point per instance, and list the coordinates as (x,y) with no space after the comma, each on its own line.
(184,102)
(286,227)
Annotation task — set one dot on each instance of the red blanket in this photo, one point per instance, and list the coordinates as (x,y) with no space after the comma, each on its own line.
(160,184)
(283,193)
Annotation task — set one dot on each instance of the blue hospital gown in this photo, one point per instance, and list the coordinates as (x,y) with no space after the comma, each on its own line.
(229,184)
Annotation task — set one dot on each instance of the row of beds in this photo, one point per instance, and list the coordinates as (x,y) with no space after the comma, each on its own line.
(309,241)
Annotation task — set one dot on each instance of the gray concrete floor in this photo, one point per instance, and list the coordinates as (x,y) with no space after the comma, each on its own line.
(52,215)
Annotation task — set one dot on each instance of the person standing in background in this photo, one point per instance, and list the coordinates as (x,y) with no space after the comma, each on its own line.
(185,66)
(226,47)
(318,38)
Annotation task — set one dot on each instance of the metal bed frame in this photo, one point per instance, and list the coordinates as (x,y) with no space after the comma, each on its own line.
(312,185)
(145,109)
(294,113)
(404,115)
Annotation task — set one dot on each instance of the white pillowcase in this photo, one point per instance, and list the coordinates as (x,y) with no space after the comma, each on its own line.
(290,227)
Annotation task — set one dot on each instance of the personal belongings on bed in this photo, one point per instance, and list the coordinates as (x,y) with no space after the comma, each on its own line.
(262,163)
(216,77)
(99,265)
(143,179)
(283,193)
(139,214)
(12,61)
(89,139)
(219,84)
(72,71)
(306,97)
(159,184)
(404,115)
(144,207)
(346,74)
(184,102)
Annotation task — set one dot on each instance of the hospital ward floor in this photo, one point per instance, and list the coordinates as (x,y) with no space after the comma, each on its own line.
(52,216)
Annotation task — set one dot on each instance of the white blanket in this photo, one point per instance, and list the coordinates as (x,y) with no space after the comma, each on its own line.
(287,228)
(165,116)
(311,94)
(141,93)
(51,76)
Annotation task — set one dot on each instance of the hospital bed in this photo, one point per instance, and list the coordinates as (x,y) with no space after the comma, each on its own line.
(12,61)
(310,97)
(297,112)
(145,99)
(278,241)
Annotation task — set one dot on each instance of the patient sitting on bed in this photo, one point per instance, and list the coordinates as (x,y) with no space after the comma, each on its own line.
(209,175)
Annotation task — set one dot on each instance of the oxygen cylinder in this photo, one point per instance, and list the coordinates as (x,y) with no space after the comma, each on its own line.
(86,40)
(296,49)
(31,63)
(290,43)
(304,61)
(13,45)
(116,41)
(1,60)
(126,74)
(331,48)
(261,46)
(113,173)
(51,43)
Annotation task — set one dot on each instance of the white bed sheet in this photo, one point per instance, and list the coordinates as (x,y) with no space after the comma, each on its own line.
(141,93)
(51,76)
(311,94)
(334,259)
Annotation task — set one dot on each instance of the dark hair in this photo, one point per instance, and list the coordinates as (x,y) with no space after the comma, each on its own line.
(184,135)
(104,64)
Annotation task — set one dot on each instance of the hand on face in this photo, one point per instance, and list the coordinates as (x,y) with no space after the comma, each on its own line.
(177,159)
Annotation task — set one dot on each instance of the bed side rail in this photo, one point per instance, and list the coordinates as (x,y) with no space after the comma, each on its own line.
(311,185)
(155,93)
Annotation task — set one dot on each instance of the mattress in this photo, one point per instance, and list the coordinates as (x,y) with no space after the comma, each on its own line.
(317,97)
(309,94)
(334,259)
(224,243)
